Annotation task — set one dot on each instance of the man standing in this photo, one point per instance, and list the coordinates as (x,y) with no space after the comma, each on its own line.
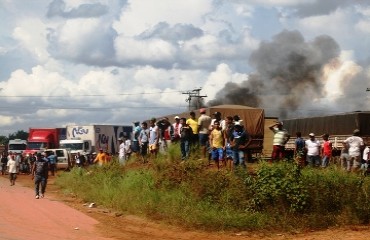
(313,147)
(13,166)
(240,141)
(135,139)
(216,142)
(185,137)
(193,123)
(143,141)
(204,121)
(281,137)
(39,172)
(121,153)
(101,158)
(327,148)
(176,129)
(52,162)
(153,138)
(356,145)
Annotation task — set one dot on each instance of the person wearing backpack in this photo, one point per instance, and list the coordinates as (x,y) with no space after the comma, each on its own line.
(39,172)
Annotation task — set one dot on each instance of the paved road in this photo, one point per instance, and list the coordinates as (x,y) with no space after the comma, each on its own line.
(22,217)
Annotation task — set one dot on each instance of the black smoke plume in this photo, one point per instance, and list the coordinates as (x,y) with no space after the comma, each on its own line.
(288,74)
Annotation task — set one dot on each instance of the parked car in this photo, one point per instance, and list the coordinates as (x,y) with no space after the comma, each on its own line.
(64,158)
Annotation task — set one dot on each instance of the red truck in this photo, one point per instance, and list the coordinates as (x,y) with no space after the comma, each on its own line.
(44,138)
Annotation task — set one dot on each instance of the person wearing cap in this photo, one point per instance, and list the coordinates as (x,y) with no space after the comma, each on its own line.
(192,121)
(281,137)
(313,148)
(327,148)
(39,173)
(355,148)
(176,129)
(204,121)
(240,140)
(101,157)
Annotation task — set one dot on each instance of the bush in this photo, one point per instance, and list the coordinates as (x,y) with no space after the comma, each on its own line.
(277,196)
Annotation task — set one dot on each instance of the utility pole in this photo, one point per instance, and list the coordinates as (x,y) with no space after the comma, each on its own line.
(195,93)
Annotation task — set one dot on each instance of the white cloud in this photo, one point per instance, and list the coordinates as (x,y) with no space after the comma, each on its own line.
(152,50)
(141,15)
(31,35)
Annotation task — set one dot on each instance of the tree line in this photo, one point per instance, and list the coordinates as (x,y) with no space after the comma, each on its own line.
(20,134)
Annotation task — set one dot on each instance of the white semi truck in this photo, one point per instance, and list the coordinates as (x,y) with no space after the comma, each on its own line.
(88,139)
(17,146)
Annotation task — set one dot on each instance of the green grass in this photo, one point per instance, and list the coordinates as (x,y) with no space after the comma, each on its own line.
(279,196)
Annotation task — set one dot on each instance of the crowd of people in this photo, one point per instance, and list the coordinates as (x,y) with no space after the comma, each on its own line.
(224,141)
(37,165)
(221,140)
(354,157)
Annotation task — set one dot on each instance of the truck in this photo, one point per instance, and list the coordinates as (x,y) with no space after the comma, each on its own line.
(338,126)
(17,145)
(253,120)
(88,139)
(44,138)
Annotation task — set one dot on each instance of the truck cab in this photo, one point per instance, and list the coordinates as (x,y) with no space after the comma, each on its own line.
(42,138)
(17,145)
(75,145)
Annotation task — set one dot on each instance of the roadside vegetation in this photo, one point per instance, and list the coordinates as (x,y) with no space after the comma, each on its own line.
(272,196)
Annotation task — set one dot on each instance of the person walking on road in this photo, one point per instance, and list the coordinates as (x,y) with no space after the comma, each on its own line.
(13,166)
(40,172)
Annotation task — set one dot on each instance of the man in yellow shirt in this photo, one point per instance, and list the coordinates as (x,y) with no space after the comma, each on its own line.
(216,141)
(101,158)
(193,123)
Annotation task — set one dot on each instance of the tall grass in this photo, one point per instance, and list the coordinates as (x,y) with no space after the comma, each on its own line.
(278,196)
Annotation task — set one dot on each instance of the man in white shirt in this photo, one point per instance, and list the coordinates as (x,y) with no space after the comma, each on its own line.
(12,165)
(121,153)
(313,147)
(356,144)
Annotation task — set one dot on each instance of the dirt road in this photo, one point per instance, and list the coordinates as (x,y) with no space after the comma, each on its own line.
(56,216)
(24,217)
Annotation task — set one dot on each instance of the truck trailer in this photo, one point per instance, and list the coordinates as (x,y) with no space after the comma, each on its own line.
(88,139)
(339,127)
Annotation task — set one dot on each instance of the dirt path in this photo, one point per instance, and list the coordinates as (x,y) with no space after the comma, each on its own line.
(60,215)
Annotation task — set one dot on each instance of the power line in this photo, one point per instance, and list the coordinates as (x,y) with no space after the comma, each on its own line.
(195,93)
(87,95)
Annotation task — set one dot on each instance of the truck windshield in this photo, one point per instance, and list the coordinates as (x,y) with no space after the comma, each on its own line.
(17,146)
(72,146)
(36,145)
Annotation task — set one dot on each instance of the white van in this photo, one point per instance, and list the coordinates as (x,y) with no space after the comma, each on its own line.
(64,158)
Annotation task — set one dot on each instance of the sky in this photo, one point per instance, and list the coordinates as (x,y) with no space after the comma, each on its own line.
(83,62)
